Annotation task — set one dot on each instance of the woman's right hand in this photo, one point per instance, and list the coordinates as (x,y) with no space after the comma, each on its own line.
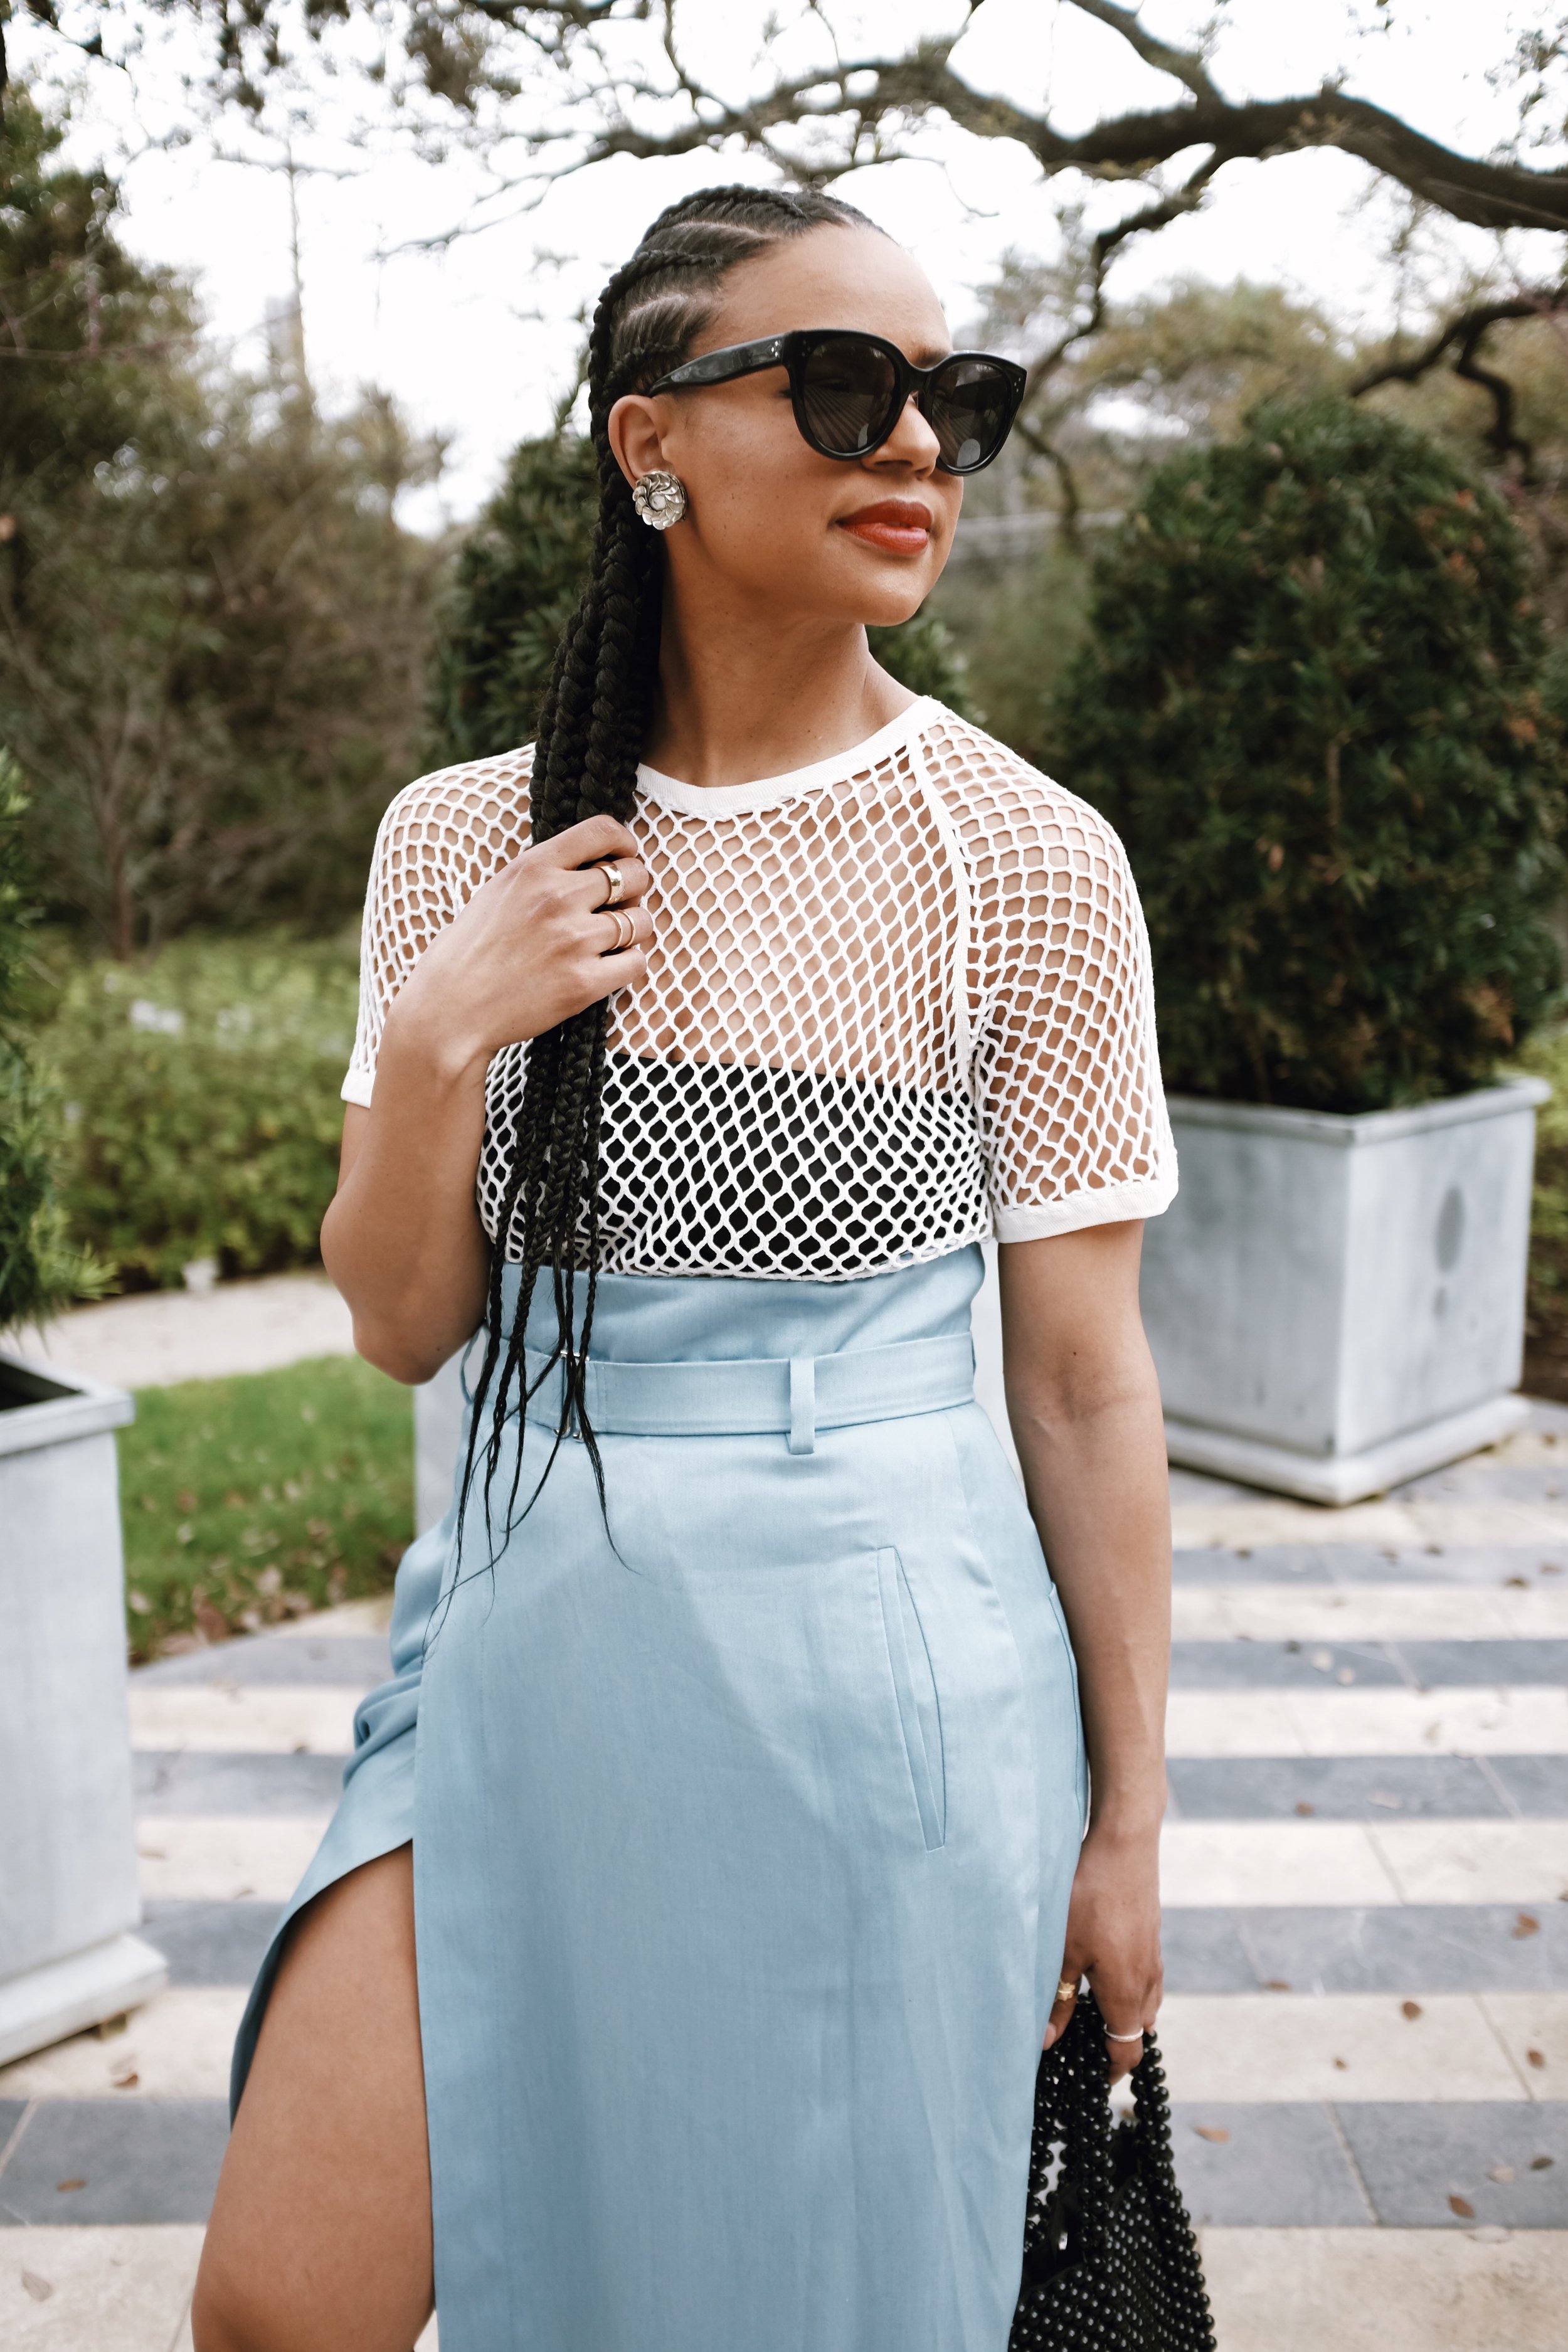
(535,944)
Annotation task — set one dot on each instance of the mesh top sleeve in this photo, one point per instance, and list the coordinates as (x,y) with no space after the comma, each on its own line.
(1071,1107)
(440,839)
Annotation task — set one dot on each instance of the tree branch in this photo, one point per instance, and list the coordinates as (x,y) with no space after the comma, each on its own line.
(1185,65)
(1463,335)
(867,104)
(1494,195)
(1184,199)
(1502,433)
(1476,319)
(1071,510)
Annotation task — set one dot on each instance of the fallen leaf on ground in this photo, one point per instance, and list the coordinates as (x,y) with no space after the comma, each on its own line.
(1342,2065)
(1210,2131)
(1536,2057)
(63,2185)
(1411,2009)
(1276,1984)
(1541,2163)
(1503,2172)
(1525,1926)
(1303,1807)
(1463,2207)
(38,2288)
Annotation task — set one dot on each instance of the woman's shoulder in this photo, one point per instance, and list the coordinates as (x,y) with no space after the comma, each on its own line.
(998,800)
(475,812)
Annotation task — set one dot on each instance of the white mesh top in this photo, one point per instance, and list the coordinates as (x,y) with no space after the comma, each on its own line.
(896,1002)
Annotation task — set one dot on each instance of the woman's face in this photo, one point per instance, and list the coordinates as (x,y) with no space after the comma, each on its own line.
(768,520)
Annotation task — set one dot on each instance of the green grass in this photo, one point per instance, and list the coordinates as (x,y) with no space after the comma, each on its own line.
(253,1499)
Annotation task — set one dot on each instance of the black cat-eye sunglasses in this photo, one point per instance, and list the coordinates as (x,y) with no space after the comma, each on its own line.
(849,390)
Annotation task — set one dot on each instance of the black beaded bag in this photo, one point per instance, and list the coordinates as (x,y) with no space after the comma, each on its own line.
(1110,2263)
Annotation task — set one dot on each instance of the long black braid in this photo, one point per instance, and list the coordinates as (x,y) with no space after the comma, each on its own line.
(591,730)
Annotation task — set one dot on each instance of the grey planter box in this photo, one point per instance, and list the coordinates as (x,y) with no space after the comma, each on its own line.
(68,1894)
(1336,1303)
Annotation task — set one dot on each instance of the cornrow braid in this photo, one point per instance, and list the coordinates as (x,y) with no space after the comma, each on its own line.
(592,724)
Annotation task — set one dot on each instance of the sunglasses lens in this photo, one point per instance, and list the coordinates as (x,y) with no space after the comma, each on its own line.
(970,406)
(847,389)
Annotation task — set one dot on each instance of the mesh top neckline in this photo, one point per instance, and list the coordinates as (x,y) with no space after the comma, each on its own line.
(768,791)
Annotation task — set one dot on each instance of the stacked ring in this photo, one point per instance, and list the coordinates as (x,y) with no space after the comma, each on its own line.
(625,929)
(616,880)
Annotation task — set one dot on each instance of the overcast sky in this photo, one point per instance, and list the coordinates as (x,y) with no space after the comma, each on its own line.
(478,341)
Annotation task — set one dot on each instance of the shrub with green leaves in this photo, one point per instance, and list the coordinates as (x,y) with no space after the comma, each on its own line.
(518,580)
(40,1268)
(1546,1057)
(201,1093)
(1312,703)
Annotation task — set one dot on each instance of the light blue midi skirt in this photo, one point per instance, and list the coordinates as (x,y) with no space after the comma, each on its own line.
(743,1835)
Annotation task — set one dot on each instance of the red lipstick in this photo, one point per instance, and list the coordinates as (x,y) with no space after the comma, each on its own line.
(898,526)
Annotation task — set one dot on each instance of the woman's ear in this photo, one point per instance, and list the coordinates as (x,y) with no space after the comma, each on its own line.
(634,432)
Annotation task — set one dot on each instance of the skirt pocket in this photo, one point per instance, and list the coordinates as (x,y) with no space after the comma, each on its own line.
(915,1683)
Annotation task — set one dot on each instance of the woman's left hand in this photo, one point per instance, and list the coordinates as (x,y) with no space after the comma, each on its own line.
(1113,1939)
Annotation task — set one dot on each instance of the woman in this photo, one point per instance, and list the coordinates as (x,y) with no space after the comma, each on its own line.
(710,1871)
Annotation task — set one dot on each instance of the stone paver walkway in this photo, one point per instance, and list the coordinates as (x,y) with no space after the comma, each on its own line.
(159,1337)
(1366,1887)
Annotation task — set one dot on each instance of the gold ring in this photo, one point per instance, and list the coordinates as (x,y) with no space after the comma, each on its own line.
(625,929)
(1067,1989)
(616,880)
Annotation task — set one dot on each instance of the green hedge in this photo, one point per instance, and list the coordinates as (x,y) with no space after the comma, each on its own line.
(202,1106)
(1313,701)
(1546,1057)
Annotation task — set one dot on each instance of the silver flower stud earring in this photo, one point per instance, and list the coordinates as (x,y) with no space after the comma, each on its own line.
(660,498)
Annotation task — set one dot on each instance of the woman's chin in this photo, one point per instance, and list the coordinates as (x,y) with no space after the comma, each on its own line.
(892,611)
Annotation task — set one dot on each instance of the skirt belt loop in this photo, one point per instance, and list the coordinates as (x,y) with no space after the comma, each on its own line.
(802,1404)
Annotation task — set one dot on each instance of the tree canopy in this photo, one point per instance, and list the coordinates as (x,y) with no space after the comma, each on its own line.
(212,624)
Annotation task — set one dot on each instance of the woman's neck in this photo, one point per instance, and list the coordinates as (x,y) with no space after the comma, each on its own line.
(761,697)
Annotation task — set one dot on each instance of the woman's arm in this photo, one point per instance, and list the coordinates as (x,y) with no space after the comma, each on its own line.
(402,1239)
(1084,1405)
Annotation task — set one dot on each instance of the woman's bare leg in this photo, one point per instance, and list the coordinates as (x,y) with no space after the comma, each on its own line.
(320,2239)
